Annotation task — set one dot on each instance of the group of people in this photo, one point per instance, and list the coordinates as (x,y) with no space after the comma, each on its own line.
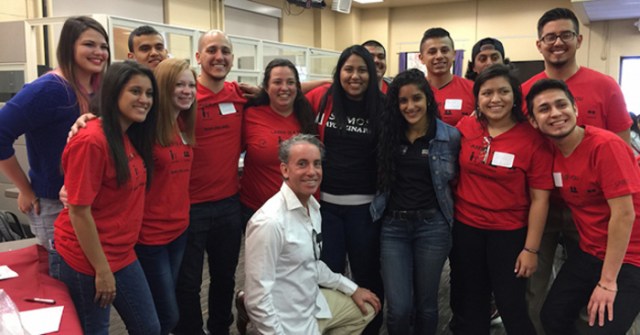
(382,179)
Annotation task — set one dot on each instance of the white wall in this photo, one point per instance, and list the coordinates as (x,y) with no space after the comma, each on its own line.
(148,10)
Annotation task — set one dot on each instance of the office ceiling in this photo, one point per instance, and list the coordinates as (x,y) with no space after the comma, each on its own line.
(587,10)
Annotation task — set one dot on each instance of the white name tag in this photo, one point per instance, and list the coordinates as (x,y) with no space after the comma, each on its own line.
(227,108)
(503,159)
(557,179)
(453,104)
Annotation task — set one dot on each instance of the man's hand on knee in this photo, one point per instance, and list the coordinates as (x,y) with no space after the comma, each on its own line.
(362,296)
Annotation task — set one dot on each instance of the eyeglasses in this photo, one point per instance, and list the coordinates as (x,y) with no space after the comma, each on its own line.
(565,36)
(486,149)
(316,239)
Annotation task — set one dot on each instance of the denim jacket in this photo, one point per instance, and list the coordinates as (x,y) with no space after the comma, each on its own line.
(443,162)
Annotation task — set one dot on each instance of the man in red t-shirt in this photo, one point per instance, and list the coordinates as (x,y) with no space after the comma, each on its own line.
(597,176)
(454,94)
(215,221)
(600,105)
(379,54)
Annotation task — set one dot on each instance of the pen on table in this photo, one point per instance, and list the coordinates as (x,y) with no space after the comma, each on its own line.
(41,300)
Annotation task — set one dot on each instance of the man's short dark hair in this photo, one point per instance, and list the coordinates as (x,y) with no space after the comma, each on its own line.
(558,14)
(374,43)
(435,33)
(545,85)
(142,30)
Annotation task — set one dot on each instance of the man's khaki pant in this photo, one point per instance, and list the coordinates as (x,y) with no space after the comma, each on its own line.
(347,318)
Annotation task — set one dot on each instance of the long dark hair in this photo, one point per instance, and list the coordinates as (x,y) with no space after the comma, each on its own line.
(142,134)
(71,30)
(495,71)
(373,99)
(395,125)
(301,107)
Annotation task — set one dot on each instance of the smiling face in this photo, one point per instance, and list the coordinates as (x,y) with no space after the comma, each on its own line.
(303,171)
(379,58)
(282,89)
(437,55)
(486,58)
(412,103)
(553,113)
(215,56)
(354,77)
(185,91)
(135,100)
(148,50)
(495,100)
(559,53)
(91,53)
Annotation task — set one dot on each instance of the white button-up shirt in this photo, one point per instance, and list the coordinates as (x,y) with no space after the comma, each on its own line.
(283,272)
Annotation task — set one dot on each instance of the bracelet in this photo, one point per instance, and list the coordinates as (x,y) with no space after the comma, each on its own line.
(533,251)
(606,288)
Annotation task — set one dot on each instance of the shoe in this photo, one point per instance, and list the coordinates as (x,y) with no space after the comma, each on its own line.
(495,318)
(242,318)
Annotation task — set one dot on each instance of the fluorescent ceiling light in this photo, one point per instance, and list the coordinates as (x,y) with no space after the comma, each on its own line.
(368,1)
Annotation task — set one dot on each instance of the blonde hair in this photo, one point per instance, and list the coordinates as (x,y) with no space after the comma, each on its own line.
(166,74)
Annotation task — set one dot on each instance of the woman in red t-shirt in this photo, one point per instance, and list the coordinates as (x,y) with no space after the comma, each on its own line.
(107,166)
(501,204)
(278,112)
(162,239)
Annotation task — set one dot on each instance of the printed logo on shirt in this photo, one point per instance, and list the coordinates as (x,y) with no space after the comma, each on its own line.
(354,124)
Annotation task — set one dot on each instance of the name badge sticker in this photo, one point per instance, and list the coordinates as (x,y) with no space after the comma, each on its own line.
(557,179)
(227,108)
(503,159)
(453,104)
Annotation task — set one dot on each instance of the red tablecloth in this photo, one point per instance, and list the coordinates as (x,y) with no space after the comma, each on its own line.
(32,267)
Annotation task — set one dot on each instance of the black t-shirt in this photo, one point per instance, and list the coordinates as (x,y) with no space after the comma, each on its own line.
(413,186)
(350,162)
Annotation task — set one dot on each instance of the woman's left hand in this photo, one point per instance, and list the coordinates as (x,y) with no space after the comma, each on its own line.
(526,264)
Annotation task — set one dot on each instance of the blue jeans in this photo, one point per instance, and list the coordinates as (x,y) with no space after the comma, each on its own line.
(572,290)
(161,264)
(412,254)
(42,227)
(214,228)
(133,301)
(350,230)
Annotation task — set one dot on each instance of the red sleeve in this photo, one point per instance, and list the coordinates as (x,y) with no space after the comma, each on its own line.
(616,168)
(84,163)
(618,118)
(540,172)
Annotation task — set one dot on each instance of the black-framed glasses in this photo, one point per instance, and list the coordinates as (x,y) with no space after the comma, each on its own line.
(316,240)
(565,36)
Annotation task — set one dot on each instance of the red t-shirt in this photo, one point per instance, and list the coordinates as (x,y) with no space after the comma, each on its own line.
(90,179)
(598,97)
(601,167)
(455,100)
(493,188)
(315,99)
(262,131)
(385,87)
(166,208)
(214,174)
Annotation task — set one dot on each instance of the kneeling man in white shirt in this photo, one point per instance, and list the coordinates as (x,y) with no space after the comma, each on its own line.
(288,289)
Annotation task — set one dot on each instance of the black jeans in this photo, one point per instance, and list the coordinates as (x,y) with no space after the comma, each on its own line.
(483,261)
(572,290)
(214,227)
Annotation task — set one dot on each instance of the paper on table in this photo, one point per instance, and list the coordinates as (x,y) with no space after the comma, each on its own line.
(42,320)
(6,272)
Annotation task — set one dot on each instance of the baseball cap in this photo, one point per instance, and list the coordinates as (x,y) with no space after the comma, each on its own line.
(487,43)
